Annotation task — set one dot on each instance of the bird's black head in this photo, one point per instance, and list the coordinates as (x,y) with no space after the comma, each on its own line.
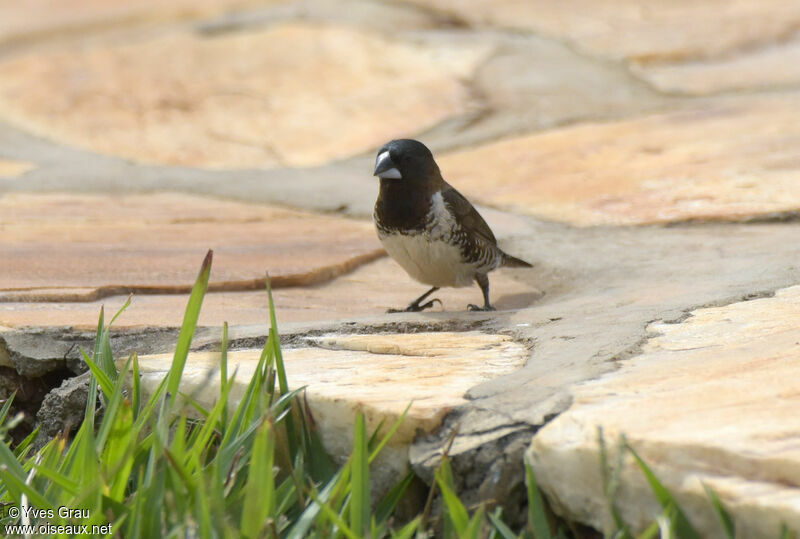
(406,160)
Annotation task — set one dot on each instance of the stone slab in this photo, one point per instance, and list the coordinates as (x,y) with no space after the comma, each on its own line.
(728,159)
(636,29)
(292,94)
(770,67)
(713,400)
(365,292)
(533,83)
(100,245)
(379,375)
(34,352)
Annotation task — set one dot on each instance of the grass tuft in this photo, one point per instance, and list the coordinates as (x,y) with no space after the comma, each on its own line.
(162,465)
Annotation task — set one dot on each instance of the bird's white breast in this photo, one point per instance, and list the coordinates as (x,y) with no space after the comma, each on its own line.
(430,256)
(429,261)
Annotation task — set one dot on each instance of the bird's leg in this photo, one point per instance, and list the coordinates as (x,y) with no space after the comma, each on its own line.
(483,281)
(415,307)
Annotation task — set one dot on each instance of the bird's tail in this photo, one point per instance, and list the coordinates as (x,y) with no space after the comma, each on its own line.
(514,262)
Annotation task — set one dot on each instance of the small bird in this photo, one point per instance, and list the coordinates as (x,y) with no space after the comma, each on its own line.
(429,228)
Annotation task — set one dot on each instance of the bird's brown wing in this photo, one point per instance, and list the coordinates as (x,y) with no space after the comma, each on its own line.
(466,215)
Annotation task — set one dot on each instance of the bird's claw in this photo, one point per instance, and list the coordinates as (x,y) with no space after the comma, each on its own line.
(415,308)
(430,304)
(475,308)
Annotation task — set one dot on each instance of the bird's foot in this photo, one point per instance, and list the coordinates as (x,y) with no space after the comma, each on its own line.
(416,307)
(475,308)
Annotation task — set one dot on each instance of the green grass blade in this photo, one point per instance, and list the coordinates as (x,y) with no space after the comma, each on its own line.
(273,334)
(259,492)
(652,531)
(320,465)
(283,384)
(237,423)
(85,432)
(475,524)
(286,497)
(666,523)
(681,524)
(724,517)
(91,399)
(106,384)
(120,510)
(537,514)
(500,526)
(19,485)
(153,495)
(21,450)
(334,517)
(230,444)
(303,524)
(373,440)
(119,454)
(66,483)
(389,434)
(182,473)
(203,435)
(134,524)
(86,464)
(407,531)
(11,466)
(136,387)
(195,404)
(6,407)
(223,375)
(188,328)
(359,480)
(120,311)
(113,403)
(203,513)
(389,502)
(147,411)
(106,359)
(455,512)
(98,338)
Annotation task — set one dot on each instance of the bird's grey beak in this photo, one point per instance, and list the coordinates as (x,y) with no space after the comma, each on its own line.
(385,167)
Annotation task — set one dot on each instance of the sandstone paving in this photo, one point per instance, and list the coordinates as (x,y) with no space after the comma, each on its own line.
(344,187)
(770,67)
(368,291)
(711,400)
(222,101)
(12,168)
(377,374)
(37,20)
(594,301)
(527,83)
(532,83)
(727,159)
(685,47)
(85,247)
(642,31)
